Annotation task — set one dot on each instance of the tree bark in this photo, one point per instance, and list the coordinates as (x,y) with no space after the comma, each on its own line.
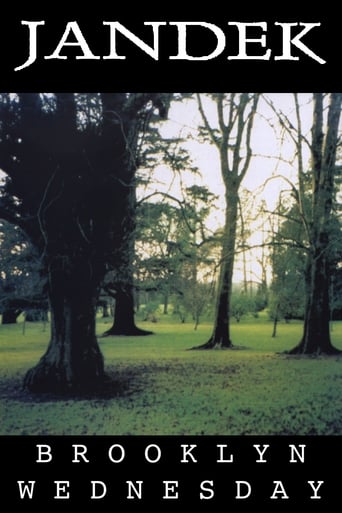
(73,360)
(316,333)
(220,338)
(275,321)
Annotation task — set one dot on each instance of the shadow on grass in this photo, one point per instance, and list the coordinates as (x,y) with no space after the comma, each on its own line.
(118,383)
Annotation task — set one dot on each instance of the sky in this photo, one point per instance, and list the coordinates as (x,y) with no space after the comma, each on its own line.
(273,155)
(184,119)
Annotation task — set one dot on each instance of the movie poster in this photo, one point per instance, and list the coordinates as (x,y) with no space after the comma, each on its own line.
(170,257)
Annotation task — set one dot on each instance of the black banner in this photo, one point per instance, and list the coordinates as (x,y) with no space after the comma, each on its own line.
(249,48)
(138,472)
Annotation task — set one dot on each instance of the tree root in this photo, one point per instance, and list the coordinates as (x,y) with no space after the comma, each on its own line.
(300,350)
(130,332)
(213,344)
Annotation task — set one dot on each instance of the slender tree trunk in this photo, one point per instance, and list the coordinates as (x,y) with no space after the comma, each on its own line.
(124,241)
(124,310)
(73,360)
(166,303)
(234,146)
(105,310)
(275,322)
(220,338)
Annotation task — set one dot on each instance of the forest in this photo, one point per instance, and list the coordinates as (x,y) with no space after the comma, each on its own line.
(156,247)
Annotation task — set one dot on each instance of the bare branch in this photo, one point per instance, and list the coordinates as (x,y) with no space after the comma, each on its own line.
(249,134)
(41,205)
(206,122)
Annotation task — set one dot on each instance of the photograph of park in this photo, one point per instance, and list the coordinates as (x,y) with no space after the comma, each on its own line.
(170,263)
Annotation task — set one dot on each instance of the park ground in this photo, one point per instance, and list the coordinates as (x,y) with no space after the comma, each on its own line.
(159,387)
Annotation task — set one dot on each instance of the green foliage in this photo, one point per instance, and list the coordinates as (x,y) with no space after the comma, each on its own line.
(150,311)
(21,282)
(241,304)
(175,251)
(160,388)
(288,261)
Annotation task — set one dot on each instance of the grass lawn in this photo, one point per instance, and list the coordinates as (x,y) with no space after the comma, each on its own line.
(160,388)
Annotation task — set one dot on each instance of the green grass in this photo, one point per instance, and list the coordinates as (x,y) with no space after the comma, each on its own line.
(163,389)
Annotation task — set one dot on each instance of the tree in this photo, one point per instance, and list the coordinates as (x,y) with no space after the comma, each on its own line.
(147,148)
(162,214)
(336,266)
(21,284)
(241,304)
(317,215)
(316,335)
(232,138)
(196,244)
(289,252)
(67,187)
(119,282)
(157,257)
(124,308)
(174,249)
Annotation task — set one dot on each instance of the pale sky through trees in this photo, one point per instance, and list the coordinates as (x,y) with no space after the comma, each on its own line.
(268,145)
(274,154)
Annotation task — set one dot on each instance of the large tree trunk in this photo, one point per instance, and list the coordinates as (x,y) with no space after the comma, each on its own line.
(71,176)
(316,334)
(124,322)
(73,361)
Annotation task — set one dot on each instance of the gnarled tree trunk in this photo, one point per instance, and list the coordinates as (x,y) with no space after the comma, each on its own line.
(73,360)
(68,177)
